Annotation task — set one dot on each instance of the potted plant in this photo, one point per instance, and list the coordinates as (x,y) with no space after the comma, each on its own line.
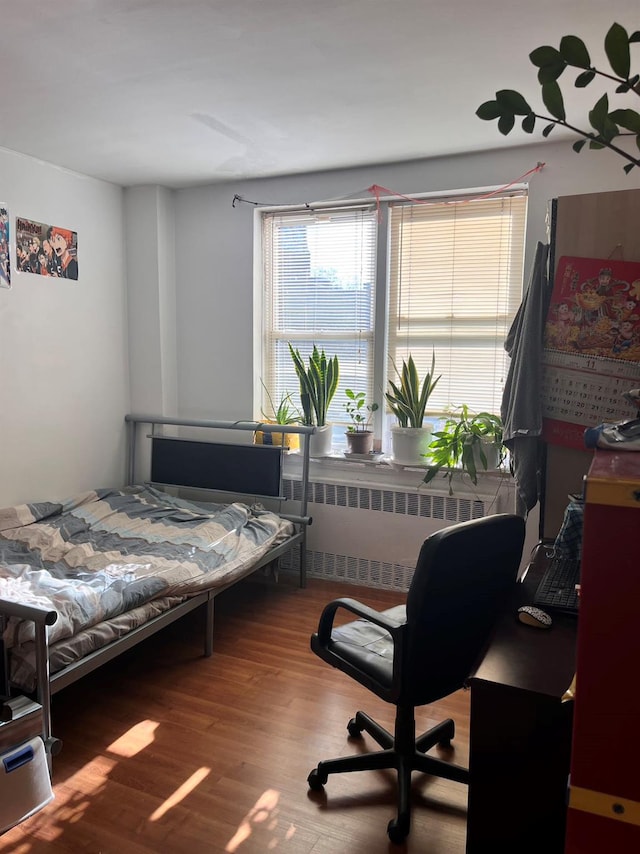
(408,402)
(284,413)
(318,383)
(359,436)
(468,442)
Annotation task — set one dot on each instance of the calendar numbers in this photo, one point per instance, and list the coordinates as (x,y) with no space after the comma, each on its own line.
(573,392)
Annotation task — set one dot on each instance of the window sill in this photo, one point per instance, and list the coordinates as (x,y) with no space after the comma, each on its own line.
(384,472)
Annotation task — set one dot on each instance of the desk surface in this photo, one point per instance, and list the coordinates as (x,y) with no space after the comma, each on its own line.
(531,659)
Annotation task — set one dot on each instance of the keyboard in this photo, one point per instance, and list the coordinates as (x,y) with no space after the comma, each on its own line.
(557,589)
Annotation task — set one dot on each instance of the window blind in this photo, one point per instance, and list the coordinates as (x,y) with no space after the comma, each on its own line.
(319,288)
(456,272)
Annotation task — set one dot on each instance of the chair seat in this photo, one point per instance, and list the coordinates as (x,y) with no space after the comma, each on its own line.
(367,635)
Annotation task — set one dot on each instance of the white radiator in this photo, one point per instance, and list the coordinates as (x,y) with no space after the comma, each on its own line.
(371,536)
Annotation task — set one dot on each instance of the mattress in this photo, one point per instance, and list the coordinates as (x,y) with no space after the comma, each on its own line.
(107,553)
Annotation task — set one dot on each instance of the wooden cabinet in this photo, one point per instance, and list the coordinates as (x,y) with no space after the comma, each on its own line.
(604,805)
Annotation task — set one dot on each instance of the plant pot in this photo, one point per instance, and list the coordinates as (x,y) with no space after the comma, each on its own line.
(289,440)
(360,442)
(492,453)
(410,444)
(320,441)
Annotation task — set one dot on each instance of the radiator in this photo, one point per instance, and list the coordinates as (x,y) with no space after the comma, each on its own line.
(371,536)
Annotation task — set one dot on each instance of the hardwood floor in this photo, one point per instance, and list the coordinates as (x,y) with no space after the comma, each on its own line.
(167,751)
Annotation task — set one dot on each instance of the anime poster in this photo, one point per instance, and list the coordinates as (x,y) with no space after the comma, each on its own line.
(47,250)
(5,263)
(591,347)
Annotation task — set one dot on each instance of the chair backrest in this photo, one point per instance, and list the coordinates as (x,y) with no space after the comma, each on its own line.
(460,586)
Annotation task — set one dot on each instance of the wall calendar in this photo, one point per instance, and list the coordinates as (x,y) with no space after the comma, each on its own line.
(591,351)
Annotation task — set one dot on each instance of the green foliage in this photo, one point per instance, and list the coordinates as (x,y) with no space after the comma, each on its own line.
(460,444)
(318,384)
(285,412)
(358,411)
(551,63)
(408,401)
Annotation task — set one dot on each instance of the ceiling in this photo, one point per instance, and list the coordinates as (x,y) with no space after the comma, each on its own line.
(184,92)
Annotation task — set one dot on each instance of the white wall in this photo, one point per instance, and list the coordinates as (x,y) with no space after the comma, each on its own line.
(64,385)
(214,244)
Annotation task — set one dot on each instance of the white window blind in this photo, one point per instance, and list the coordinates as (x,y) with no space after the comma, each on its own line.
(319,288)
(456,273)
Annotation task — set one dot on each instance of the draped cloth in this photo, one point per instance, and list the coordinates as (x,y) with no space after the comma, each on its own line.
(521,408)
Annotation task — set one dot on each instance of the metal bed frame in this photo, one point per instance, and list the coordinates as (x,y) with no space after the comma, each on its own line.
(13,709)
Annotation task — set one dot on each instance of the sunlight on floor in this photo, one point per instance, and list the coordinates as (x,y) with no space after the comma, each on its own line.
(180,793)
(135,739)
(264,810)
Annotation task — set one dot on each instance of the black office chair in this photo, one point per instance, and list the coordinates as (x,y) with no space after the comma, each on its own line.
(419,653)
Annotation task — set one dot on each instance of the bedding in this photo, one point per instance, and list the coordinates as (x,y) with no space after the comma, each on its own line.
(107,558)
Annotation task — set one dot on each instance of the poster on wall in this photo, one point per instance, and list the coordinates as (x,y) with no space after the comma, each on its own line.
(5,263)
(591,352)
(47,250)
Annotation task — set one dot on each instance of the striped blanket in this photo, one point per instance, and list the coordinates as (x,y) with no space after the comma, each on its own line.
(103,553)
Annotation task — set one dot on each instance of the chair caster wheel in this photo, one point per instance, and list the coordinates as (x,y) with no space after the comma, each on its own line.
(353,729)
(397,831)
(447,735)
(316,780)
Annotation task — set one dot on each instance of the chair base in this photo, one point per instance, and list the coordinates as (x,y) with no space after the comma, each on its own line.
(403,752)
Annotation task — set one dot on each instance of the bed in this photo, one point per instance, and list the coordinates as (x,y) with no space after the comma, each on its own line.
(84,579)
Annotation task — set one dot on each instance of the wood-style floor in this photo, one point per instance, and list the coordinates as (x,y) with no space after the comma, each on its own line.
(167,751)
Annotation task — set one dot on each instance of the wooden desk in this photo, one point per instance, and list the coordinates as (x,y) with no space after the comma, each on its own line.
(520,739)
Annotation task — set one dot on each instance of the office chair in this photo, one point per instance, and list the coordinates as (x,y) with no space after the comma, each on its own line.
(420,652)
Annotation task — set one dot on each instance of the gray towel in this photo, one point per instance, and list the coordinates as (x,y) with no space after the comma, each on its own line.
(521,408)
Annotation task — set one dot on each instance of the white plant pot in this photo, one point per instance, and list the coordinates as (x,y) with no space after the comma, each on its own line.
(320,441)
(491,452)
(410,444)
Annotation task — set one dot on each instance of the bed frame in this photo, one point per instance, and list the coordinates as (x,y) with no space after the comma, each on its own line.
(178,459)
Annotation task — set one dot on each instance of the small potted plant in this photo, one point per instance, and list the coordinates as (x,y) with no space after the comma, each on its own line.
(408,401)
(284,413)
(359,435)
(318,384)
(469,442)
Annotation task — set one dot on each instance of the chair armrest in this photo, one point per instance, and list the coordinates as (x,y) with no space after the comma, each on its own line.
(325,624)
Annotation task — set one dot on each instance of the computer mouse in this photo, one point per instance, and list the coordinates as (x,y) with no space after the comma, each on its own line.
(532,616)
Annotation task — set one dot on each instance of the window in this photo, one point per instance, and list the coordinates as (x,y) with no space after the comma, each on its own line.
(455,286)
(319,288)
(372,286)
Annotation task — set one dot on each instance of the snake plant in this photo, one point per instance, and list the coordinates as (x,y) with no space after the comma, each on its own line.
(408,401)
(318,384)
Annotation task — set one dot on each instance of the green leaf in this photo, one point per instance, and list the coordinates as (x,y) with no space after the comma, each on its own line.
(553,101)
(579,145)
(506,123)
(616,45)
(599,114)
(638,140)
(628,119)
(634,37)
(529,123)
(489,110)
(550,73)
(596,145)
(545,55)
(547,130)
(629,167)
(584,79)
(513,101)
(574,52)
(610,130)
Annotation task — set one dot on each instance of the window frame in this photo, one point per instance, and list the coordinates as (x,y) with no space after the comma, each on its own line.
(382,419)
